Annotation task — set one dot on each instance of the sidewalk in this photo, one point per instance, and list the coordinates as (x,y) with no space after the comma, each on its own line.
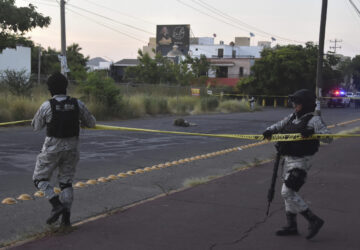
(229,213)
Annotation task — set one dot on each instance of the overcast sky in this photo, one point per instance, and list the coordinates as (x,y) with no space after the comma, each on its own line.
(115,29)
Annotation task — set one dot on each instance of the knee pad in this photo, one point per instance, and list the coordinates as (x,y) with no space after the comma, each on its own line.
(64,185)
(295,179)
(36,182)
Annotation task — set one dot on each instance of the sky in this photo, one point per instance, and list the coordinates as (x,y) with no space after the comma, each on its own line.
(115,29)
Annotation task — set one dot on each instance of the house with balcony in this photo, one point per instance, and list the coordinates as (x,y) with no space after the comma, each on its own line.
(229,62)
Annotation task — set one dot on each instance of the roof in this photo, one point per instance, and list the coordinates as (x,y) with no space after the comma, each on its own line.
(96,61)
(127,62)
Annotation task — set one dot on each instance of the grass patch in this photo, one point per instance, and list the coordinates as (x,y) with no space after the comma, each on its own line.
(182,104)
(132,104)
(192,182)
(231,106)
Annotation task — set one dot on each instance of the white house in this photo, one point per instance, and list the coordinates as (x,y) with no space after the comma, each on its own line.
(16,59)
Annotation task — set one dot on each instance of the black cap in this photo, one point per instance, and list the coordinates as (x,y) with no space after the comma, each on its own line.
(306,98)
(302,96)
(57,84)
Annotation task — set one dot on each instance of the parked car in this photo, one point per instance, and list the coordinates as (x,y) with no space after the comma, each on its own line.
(338,98)
(351,95)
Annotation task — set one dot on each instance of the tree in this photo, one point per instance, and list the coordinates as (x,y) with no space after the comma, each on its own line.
(355,66)
(50,61)
(101,88)
(285,69)
(76,62)
(16,21)
(164,70)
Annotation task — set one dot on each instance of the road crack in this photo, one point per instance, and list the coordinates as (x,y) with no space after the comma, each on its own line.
(246,233)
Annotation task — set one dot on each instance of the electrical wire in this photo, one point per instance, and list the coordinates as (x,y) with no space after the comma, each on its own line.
(106,26)
(227,16)
(213,17)
(350,8)
(226,22)
(119,13)
(47,4)
(110,19)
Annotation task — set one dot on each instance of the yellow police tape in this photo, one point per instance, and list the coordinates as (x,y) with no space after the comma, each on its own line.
(15,123)
(275,137)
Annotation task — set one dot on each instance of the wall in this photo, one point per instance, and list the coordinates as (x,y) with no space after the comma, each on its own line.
(16,59)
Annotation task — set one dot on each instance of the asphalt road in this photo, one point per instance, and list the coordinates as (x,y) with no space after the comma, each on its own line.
(229,213)
(110,152)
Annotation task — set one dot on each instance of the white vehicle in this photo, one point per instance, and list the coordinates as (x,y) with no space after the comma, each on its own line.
(351,96)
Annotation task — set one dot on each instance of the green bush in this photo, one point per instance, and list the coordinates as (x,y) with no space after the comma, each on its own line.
(101,88)
(231,106)
(209,103)
(182,104)
(17,82)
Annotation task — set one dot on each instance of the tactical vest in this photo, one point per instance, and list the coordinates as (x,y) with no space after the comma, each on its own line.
(65,118)
(297,148)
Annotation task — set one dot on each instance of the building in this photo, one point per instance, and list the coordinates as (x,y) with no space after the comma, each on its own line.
(229,62)
(18,59)
(98,63)
(117,70)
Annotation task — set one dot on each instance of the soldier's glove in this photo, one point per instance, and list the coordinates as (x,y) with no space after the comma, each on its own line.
(307,132)
(267,134)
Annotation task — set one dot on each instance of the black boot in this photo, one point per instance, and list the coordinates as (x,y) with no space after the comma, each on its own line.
(56,211)
(315,223)
(291,228)
(65,219)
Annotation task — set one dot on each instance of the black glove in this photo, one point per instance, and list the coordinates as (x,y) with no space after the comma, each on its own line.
(307,132)
(267,134)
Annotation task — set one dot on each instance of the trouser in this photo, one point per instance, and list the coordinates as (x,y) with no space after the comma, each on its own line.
(294,176)
(65,162)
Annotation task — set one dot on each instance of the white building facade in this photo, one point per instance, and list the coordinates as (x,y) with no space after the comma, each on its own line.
(18,59)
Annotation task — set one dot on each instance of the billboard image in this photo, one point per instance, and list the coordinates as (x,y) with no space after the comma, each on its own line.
(173,40)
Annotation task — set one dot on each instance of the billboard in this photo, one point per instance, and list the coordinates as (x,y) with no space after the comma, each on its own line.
(173,40)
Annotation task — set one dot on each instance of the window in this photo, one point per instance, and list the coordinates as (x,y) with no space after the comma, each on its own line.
(234,54)
(241,71)
(220,53)
(222,72)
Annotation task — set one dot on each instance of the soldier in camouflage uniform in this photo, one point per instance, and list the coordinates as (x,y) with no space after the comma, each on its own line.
(296,159)
(62,116)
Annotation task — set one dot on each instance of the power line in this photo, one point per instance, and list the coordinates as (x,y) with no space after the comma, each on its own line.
(224,15)
(206,14)
(110,19)
(47,4)
(351,11)
(229,18)
(118,12)
(354,6)
(106,26)
(248,25)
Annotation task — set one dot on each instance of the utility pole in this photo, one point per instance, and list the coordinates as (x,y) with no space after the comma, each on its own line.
(63,60)
(39,64)
(320,56)
(335,47)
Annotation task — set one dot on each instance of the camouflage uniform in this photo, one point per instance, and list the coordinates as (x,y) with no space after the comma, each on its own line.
(61,153)
(293,201)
